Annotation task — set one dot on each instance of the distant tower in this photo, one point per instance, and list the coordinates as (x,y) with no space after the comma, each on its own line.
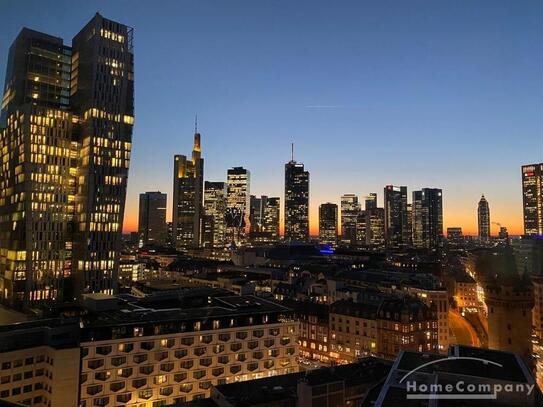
(296,201)
(152,226)
(328,224)
(397,232)
(238,201)
(532,198)
(188,185)
(483,215)
(350,208)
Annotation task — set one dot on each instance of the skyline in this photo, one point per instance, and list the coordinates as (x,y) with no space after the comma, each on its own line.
(462,97)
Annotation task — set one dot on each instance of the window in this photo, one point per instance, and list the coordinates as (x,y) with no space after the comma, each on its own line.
(241,357)
(160,379)
(204,385)
(258,355)
(147,370)
(146,394)
(102,376)
(269,342)
(224,337)
(167,343)
(120,360)
(274,331)
(161,355)
(138,331)
(29,361)
(268,364)
(185,388)
(223,359)
(103,350)
(186,364)
(179,377)
(124,398)
(252,344)
(217,371)
(180,353)
(166,367)
(285,340)
(258,333)
(187,341)
(147,345)
(95,364)
(116,386)
(137,383)
(140,358)
(199,374)
(252,366)
(6,365)
(92,390)
(241,335)
(126,347)
(235,368)
(200,351)
(206,338)
(125,372)
(102,401)
(235,347)
(166,391)
(218,348)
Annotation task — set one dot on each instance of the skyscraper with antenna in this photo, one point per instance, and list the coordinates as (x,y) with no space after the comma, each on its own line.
(188,186)
(296,201)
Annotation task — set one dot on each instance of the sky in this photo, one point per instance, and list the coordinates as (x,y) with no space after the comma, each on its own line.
(443,94)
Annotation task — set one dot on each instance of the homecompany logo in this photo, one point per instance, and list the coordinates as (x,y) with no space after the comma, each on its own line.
(460,390)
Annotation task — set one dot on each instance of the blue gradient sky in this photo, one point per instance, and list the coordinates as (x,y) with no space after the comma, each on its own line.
(420,93)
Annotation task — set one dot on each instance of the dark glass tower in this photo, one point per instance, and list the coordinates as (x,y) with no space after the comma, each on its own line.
(188,185)
(328,224)
(397,232)
(152,228)
(532,198)
(67,127)
(427,218)
(296,202)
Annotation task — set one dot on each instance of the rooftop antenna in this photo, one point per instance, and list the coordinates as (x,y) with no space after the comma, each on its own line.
(196,124)
(292,150)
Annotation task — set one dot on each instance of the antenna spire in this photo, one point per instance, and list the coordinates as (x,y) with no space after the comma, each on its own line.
(196,124)
(292,151)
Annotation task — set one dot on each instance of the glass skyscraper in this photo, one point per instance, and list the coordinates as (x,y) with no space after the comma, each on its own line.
(67,117)
(296,202)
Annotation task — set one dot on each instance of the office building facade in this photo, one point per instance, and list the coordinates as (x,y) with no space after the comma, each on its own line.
(532,198)
(152,228)
(397,232)
(483,220)
(188,185)
(328,224)
(427,224)
(350,208)
(296,202)
(238,201)
(215,211)
(67,122)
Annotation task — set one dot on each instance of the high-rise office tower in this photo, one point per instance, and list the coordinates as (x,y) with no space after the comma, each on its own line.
(350,208)
(296,202)
(270,216)
(396,226)
(375,227)
(410,224)
(255,214)
(238,189)
(361,228)
(328,224)
(152,226)
(455,238)
(427,218)
(188,185)
(483,217)
(65,142)
(215,211)
(371,201)
(532,198)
